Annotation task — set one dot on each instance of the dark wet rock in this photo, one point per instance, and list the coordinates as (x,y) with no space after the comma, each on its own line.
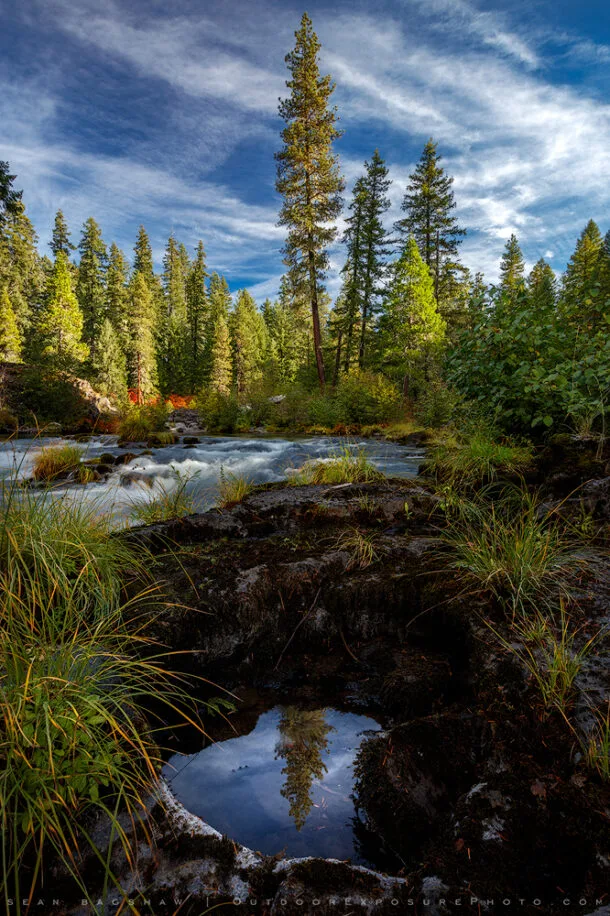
(126,458)
(596,498)
(191,440)
(107,458)
(566,462)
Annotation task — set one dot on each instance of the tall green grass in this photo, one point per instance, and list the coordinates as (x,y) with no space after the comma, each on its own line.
(510,549)
(232,489)
(77,676)
(56,461)
(173,501)
(478,458)
(345,466)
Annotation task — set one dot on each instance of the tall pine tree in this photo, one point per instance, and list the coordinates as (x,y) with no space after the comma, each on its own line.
(429,205)
(221,362)
(308,173)
(60,327)
(580,293)
(117,296)
(141,356)
(91,284)
(512,271)
(249,342)
(374,243)
(61,236)
(197,314)
(172,330)
(108,364)
(542,286)
(9,196)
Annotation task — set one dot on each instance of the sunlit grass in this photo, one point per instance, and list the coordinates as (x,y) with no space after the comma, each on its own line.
(173,501)
(477,459)
(56,461)
(232,489)
(347,466)
(361,547)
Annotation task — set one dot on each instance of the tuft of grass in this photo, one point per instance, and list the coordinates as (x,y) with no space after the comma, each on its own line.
(478,459)
(361,547)
(510,550)
(161,439)
(345,466)
(597,750)
(232,489)
(547,649)
(77,672)
(56,461)
(172,502)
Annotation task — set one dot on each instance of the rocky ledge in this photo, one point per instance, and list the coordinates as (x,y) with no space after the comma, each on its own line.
(479,798)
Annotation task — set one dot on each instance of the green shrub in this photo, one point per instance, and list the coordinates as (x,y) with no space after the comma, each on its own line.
(8,421)
(436,405)
(50,397)
(366,397)
(141,422)
(219,412)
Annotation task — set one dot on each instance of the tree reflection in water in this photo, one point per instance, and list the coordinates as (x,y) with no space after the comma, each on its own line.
(302,744)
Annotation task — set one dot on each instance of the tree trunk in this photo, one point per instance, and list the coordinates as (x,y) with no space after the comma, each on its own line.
(338,358)
(315,314)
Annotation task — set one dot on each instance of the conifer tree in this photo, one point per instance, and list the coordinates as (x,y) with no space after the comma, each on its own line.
(141,356)
(9,197)
(512,271)
(172,330)
(61,236)
(283,340)
(221,363)
(143,258)
(10,335)
(219,306)
(197,314)
(351,303)
(308,173)
(248,341)
(21,267)
(60,326)
(412,329)
(108,364)
(580,287)
(542,286)
(91,284)
(604,275)
(429,203)
(117,295)
(374,243)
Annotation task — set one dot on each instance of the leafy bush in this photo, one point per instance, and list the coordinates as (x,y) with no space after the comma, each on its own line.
(142,421)
(8,421)
(436,404)
(56,461)
(219,412)
(50,397)
(366,397)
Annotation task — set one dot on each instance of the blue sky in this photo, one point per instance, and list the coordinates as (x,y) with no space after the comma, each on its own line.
(137,111)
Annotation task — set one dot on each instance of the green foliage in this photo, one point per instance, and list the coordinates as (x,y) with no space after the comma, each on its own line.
(141,422)
(411,329)
(511,550)
(249,343)
(10,335)
(308,175)
(437,404)
(197,316)
(49,396)
(9,196)
(56,461)
(108,365)
(142,365)
(219,412)
(117,297)
(61,236)
(597,748)
(173,501)
(366,397)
